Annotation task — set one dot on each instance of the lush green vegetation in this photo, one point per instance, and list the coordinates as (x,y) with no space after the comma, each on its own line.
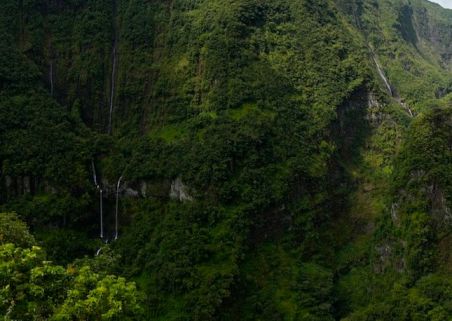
(32,288)
(265,170)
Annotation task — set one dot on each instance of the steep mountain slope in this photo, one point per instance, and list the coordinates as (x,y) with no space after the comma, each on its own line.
(410,39)
(267,160)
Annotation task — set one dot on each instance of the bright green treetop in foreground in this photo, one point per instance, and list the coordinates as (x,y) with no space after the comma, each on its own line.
(32,288)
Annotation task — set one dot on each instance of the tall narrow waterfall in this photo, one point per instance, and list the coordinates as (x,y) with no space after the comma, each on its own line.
(383,76)
(94,173)
(101,214)
(113,84)
(392,92)
(101,201)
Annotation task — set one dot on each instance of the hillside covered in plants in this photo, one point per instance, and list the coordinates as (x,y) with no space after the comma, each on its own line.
(242,160)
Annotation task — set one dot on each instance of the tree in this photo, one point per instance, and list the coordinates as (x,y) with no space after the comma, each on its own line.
(13,230)
(32,288)
(93,297)
(29,286)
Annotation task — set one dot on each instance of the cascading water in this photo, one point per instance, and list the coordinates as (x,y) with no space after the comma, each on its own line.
(101,205)
(383,77)
(405,105)
(101,214)
(112,87)
(393,93)
(114,67)
(94,173)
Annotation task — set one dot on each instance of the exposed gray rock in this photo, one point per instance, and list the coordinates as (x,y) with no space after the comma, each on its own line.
(386,258)
(131,192)
(375,110)
(440,209)
(179,191)
(394,213)
(143,188)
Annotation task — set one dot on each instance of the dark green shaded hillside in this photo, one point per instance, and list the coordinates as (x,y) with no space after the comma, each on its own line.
(268,160)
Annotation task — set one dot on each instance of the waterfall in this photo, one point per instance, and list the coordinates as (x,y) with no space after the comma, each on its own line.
(117,203)
(101,205)
(409,110)
(405,105)
(112,87)
(393,93)
(101,213)
(94,174)
(383,77)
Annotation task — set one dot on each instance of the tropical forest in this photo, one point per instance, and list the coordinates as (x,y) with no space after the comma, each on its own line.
(225,160)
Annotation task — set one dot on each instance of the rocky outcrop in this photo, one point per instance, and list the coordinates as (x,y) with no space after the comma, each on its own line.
(179,191)
(440,210)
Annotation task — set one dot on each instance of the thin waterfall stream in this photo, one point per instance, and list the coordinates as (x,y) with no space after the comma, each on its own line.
(112,87)
(101,205)
(113,68)
(101,213)
(392,92)
(383,76)
(94,173)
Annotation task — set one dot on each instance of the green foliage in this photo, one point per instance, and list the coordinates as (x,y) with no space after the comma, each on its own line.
(54,152)
(270,115)
(95,298)
(420,237)
(192,253)
(429,299)
(426,155)
(316,285)
(400,34)
(13,230)
(64,245)
(422,184)
(406,242)
(32,288)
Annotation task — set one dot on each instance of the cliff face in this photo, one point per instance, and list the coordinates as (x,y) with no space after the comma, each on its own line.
(411,40)
(134,57)
(262,154)
(433,27)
